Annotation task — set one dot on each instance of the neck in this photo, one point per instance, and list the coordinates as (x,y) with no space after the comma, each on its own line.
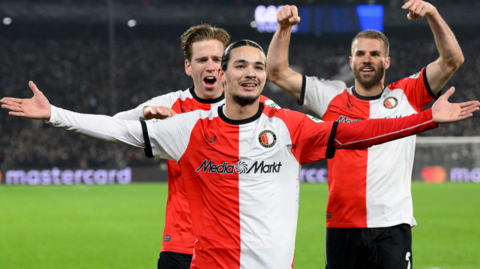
(373,91)
(235,111)
(209,94)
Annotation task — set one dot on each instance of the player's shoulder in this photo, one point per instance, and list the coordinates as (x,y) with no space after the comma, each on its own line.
(403,83)
(324,83)
(268,102)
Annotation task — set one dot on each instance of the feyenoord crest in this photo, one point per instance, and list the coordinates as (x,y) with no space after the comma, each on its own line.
(390,102)
(267,139)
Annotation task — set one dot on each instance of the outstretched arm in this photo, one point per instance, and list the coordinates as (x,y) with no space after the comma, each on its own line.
(364,134)
(100,127)
(146,113)
(278,70)
(451,56)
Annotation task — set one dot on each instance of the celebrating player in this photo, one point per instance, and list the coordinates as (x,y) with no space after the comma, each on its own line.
(241,161)
(203,46)
(369,211)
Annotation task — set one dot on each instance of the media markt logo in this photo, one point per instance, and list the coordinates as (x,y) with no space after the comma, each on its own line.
(240,167)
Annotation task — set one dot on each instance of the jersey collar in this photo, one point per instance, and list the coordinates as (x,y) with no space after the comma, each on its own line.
(240,122)
(366,98)
(205,101)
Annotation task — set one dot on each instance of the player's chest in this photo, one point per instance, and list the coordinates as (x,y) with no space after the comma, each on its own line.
(352,109)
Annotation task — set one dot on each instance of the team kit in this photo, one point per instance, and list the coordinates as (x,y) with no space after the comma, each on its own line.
(234,156)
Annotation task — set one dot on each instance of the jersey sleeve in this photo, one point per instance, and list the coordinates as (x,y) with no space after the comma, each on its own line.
(309,136)
(168,138)
(364,134)
(417,89)
(318,93)
(166,100)
(104,128)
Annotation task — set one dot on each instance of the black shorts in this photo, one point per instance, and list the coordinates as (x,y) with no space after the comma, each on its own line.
(174,260)
(362,248)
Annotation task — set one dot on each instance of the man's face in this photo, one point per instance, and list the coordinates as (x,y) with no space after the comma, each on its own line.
(369,62)
(245,76)
(203,68)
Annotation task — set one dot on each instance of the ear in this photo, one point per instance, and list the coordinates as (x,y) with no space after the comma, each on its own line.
(188,68)
(351,62)
(221,75)
(387,63)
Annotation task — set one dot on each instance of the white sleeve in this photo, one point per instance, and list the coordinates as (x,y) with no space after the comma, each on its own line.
(166,100)
(104,128)
(318,93)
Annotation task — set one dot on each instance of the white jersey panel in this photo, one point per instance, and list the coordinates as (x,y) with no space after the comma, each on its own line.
(170,137)
(267,177)
(320,92)
(389,167)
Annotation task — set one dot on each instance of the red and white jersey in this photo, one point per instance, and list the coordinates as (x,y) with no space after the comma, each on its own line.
(371,187)
(178,234)
(241,177)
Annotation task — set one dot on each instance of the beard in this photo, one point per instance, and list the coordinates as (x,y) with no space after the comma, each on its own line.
(369,83)
(245,100)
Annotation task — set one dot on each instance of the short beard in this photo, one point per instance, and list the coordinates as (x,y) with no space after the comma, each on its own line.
(245,100)
(377,77)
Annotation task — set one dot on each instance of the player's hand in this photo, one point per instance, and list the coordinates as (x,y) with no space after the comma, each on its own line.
(418,9)
(36,107)
(157,112)
(445,112)
(287,16)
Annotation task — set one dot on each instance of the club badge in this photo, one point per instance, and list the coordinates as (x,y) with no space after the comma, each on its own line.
(267,139)
(390,103)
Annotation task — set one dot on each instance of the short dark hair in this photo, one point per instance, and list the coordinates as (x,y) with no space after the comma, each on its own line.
(202,32)
(234,45)
(372,34)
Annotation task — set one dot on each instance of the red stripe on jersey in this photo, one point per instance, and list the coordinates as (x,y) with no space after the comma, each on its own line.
(416,89)
(178,233)
(347,164)
(212,202)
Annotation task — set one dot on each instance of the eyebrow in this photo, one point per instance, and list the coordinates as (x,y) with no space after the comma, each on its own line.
(244,61)
(370,51)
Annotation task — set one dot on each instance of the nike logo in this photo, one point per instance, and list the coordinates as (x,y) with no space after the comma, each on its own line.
(183,111)
(210,140)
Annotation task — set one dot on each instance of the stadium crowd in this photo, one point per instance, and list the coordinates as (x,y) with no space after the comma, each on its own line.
(74,74)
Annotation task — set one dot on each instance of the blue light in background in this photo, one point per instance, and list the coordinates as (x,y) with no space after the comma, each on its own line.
(305,16)
(371,17)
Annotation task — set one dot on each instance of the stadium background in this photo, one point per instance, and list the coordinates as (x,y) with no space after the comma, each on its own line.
(65,47)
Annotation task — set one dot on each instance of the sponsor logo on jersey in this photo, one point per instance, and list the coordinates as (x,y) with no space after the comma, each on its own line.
(271,103)
(315,119)
(210,140)
(267,138)
(208,166)
(390,103)
(343,118)
(258,167)
(240,167)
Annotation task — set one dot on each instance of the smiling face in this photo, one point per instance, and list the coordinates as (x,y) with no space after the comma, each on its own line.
(245,75)
(203,68)
(369,62)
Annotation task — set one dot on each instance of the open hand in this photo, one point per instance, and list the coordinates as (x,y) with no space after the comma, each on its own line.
(288,16)
(418,9)
(36,107)
(157,112)
(445,112)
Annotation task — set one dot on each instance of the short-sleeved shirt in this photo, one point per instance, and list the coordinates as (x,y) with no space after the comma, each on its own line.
(178,235)
(241,180)
(371,187)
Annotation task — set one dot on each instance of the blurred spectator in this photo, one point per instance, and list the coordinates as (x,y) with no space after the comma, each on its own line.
(74,74)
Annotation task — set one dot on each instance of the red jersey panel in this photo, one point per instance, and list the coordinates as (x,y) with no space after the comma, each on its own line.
(371,187)
(178,235)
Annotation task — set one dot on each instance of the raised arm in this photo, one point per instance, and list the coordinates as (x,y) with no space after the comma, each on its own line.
(451,56)
(364,134)
(278,70)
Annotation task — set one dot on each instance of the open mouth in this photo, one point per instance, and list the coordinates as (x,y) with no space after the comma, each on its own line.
(367,70)
(210,81)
